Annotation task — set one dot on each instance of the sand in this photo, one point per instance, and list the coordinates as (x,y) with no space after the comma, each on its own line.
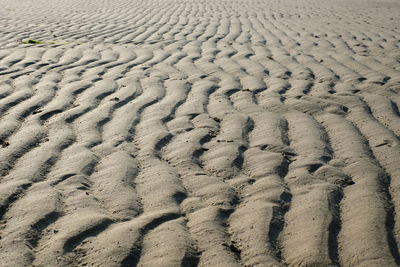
(199,133)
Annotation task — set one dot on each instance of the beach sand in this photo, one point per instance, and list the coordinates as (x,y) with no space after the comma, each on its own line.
(199,133)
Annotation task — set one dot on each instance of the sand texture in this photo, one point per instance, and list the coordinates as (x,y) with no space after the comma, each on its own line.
(199,133)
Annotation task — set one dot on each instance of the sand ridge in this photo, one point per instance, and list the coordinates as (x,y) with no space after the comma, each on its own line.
(199,133)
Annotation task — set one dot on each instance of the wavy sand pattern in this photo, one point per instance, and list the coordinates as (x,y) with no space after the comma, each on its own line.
(200,133)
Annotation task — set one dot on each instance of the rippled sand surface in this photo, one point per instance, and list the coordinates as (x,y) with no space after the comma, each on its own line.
(199,133)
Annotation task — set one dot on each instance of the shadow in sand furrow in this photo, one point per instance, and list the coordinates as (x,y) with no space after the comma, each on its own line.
(40,160)
(190,173)
(320,72)
(335,225)
(171,232)
(184,88)
(390,219)
(383,145)
(302,167)
(40,226)
(17,116)
(341,132)
(151,136)
(263,190)
(75,192)
(277,222)
(234,232)
(162,143)
(72,242)
(133,258)
(295,88)
(225,149)
(12,59)
(76,92)
(305,170)
(67,246)
(346,74)
(28,224)
(133,126)
(148,31)
(44,154)
(33,137)
(370,75)
(9,199)
(381,68)
(392,222)
(124,111)
(113,183)
(384,110)
(14,99)
(6,89)
(16,73)
(87,103)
